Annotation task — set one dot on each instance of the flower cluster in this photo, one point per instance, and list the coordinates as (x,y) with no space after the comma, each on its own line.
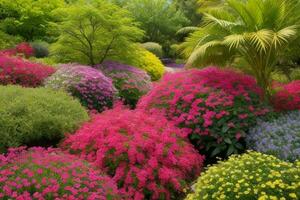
(280,137)
(216,107)
(249,176)
(37,116)
(14,70)
(51,174)
(23,49)
(131,82)
(288,97)
(89,85)
(146,155)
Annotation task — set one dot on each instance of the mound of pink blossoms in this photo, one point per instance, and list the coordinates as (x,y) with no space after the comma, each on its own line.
(288,97)
(131,82)
(50,174)
(214,106)
(146,155)
(15,70)
(94,90)
(22,49)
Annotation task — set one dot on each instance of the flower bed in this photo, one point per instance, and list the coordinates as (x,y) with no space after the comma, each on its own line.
(146,155)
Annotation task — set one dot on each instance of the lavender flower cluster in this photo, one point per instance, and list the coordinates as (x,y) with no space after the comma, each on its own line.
(89,85)
(131,82)
(280,137)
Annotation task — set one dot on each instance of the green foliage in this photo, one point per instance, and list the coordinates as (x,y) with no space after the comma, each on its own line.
(190,10)
(31,19)
(147,61)
(94,32)
(154,48)
(36,116)
(159,18)
(8,41)
(40,49)
(249,176)
(257,31)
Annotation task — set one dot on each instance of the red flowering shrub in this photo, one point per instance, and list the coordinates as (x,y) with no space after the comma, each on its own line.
(51,174)
(288,97)
(14,70)
(215,106)
(23,49)
(144,154)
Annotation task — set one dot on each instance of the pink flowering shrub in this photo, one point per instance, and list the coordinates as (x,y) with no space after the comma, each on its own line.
(214,106)
(50,174)
(288,97)
(146,155)
(22,49)
(94,90)
(131,82)
(14,70)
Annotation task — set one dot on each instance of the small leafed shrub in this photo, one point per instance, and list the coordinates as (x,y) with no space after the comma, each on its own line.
(131,82)
(280,137)
(14,70)
(144,154)
(94,90)
(154,48)
(288,97)
(150,63)
(51,174)
(36,116)
(215,106)
(249,176)
(40,49)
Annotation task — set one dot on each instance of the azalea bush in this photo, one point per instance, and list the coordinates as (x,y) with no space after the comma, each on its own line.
(249,176)
(146,155)
(14,70)
(94,90)
(36,116)
(149,62)
(131,82)
(280,137)
(51,174)
(287,97)
(23,49)
(215,107)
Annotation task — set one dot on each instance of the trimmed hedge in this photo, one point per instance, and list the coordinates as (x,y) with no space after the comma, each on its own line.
(36,116)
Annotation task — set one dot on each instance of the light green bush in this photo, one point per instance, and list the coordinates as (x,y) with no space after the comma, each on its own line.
(154,48)
(36,117)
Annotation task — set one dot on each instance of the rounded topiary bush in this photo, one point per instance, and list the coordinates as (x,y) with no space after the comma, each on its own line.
(15,70)
(287,97)
(51,174)
(249,176)
(154,48)
(40,49)
(131,82)
(150,63)
(280,137)
(89,85)
(36,116)
(144,154)
(215,106)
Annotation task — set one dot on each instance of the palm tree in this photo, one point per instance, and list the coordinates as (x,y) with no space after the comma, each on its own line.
(254,31)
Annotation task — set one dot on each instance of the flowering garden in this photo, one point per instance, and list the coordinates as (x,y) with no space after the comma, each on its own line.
(104,100)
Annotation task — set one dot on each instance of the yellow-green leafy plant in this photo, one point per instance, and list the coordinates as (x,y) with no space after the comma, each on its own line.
(247,177)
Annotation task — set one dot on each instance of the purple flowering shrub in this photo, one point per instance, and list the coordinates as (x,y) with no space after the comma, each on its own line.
(280,137)
(94,90)
(51,174)
(131,82)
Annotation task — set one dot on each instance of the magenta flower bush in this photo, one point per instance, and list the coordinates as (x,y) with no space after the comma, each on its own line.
(131,82)
(145,154)
(214,106)
(51,174)
(94,90)
(287,98)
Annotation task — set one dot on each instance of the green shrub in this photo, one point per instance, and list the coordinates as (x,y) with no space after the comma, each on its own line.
(36,116)
(40,49)
(8,41)
(149,62)
(154,48)
(248,177)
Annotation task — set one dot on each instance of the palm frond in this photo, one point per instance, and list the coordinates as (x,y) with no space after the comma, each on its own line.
(187,30)
(261,39)
(234,41)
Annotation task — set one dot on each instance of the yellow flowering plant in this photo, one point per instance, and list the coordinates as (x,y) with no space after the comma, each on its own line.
(247,177)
